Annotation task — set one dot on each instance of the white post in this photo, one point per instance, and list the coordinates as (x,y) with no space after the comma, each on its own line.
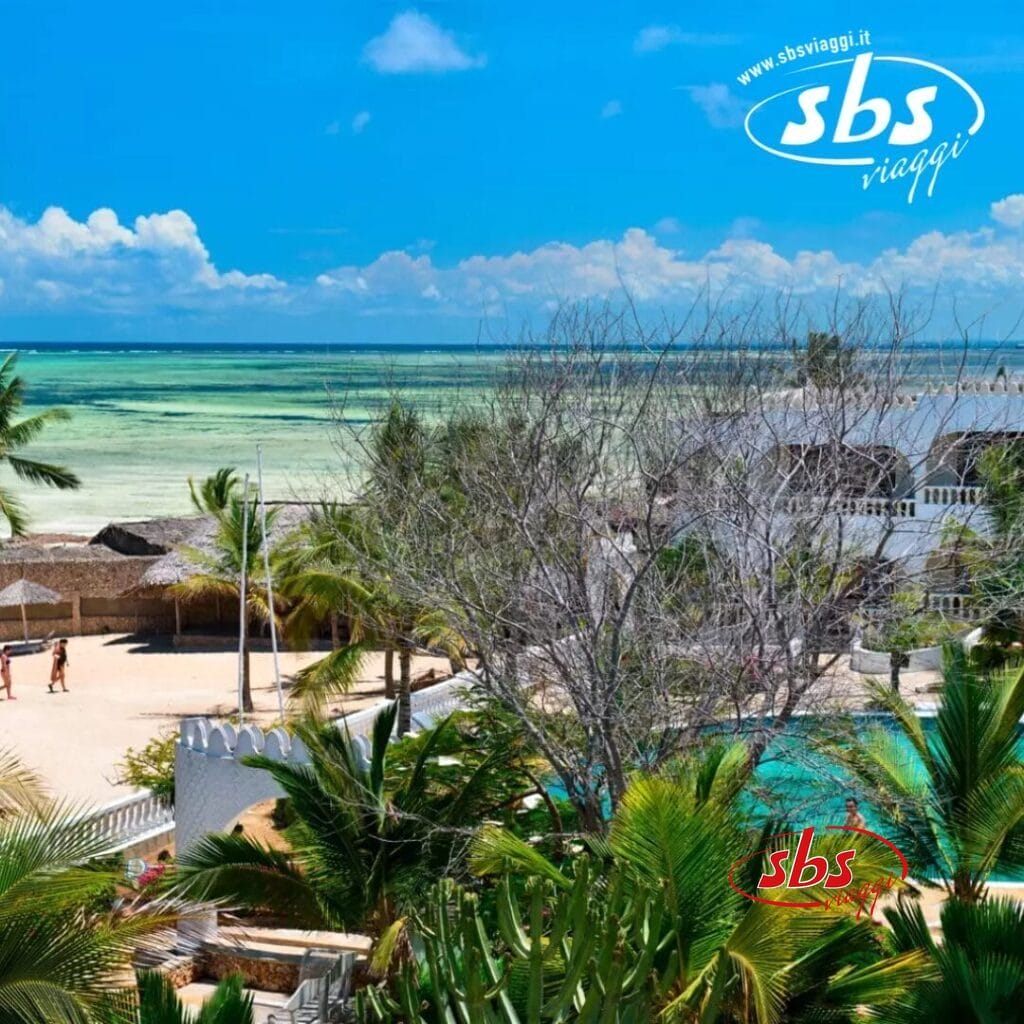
(270,587)
(242,610)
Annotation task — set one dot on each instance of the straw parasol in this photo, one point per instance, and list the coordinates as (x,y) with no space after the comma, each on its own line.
(23,592)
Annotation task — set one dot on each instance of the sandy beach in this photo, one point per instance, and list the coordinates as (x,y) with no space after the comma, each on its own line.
(125,690)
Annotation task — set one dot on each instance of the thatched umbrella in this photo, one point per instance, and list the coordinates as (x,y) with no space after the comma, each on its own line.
(22,592)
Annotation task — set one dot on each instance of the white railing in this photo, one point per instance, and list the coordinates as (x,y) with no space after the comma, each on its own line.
(896,508)
(940,494)
(428,705)
(315,998)
(959,605)
(137,817)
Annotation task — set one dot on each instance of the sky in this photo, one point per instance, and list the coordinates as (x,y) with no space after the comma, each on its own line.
(386,172)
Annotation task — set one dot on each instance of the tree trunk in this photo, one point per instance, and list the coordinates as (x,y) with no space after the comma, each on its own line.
(404,689)
(389,673)
(246,687)
(897,660)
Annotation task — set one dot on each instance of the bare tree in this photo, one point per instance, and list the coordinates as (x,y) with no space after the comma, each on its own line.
(646,532)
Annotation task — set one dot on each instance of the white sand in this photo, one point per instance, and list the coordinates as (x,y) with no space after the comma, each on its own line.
(123,692)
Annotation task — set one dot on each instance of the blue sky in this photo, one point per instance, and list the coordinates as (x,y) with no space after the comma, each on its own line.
(384,171)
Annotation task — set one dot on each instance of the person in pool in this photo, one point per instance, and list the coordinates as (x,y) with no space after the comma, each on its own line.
(5,670)
(854,819)
(60,664)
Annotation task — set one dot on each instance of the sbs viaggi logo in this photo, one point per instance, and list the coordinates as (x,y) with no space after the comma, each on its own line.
(850,868)
(898,119)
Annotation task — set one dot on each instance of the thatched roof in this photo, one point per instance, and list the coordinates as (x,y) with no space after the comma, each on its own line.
(176,567)
(26,592)
(35,554)
(148,536)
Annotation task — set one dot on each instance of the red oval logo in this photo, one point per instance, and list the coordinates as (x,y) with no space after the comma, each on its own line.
(789,866)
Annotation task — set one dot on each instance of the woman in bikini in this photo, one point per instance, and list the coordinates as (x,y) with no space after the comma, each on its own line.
(60,664)
(5,670)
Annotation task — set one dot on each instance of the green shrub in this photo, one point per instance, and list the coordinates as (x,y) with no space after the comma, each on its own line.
(152,767)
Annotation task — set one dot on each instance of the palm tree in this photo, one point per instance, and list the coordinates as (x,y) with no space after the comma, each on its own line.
(158,1003)
(219,570)
(61,952)
(368,839)
(979,977)
(214,494)
(15,435)
(720,957)
(955,805)
(336,567)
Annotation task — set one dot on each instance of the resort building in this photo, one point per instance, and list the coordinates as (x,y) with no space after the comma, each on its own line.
(902,473)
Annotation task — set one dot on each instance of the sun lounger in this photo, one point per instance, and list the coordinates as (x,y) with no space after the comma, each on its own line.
(31,646)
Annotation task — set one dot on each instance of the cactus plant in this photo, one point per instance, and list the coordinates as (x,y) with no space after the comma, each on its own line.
(581,952)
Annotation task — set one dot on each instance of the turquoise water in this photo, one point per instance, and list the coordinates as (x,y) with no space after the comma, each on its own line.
(145,418)
(798,781)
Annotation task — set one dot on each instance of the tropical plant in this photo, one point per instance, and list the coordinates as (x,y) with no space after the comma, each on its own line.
(151,767)
(979,976)
(953,795)
(155,1001)
(15,434)
(329,570)
(645,928)
(62,949)
(367,840)
(906,625)
(219,570)
(214,494)
(825,361)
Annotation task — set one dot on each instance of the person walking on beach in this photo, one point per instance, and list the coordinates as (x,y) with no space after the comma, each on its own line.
(5,670)
(60,664)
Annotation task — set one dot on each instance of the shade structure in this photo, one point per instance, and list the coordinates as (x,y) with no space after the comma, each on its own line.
(24,592)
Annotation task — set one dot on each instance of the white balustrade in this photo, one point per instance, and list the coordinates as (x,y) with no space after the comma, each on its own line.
(896,508)
(941,494)
(132,818)
(957,605)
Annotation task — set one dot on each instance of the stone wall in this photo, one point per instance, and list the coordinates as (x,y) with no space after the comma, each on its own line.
(268,972)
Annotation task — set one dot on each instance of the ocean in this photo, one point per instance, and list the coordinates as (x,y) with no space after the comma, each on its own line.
(146,417)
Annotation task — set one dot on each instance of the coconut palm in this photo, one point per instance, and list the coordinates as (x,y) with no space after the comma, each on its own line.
(214,494)
(953,796)
(979,976)
(219,570)
(335,567)
(158,1003)
(367,841)
(719,956)
(15,434)
(61,952)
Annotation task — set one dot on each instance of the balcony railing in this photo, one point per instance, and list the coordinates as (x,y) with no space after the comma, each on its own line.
(896,508)
(952,494)
(959,606)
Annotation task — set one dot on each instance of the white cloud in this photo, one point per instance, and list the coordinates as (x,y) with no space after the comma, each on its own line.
(100,263)
(656,37)
(360,121)
(720,106)
(414,42)
(611,109)
(1009,211)
(158,263)
(984,265)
